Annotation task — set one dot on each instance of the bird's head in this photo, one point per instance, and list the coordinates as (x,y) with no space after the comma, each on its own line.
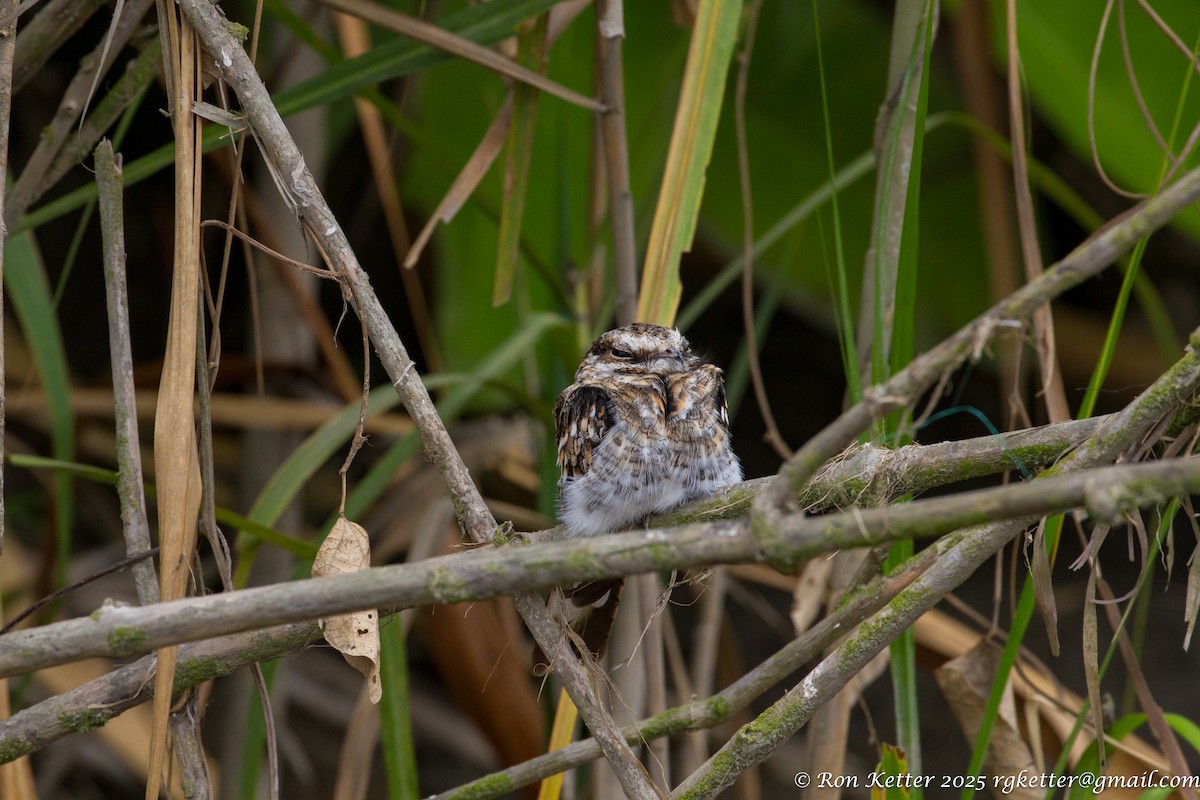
(642,347)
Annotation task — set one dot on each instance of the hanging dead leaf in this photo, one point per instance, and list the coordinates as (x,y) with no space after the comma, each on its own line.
(1192,604)
(1091,659)
(810,593)
(1043,586)
(347,548)
(966,682)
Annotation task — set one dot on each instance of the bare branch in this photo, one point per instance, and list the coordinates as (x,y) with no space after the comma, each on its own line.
(715,710)
(302,194)
(960,554)
(902,389)
(611,24)
(103,698)
(120,632)
(132,497)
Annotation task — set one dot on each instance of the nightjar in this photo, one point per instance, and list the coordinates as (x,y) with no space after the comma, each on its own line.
(643,428)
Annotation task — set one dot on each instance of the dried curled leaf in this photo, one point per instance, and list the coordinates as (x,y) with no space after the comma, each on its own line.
(1043,586)
(966,682)
(1192,605)
(347,548)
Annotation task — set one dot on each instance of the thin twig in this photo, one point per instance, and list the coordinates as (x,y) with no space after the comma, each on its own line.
(1043,323)
(63,591)
(1177,160)
(610,18)
(342,377)
(772,436)
(1136,87)
(130,482)
(1093,71)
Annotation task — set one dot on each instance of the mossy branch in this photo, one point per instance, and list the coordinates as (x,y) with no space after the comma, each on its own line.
(103,698)
(123,631)
(960,554)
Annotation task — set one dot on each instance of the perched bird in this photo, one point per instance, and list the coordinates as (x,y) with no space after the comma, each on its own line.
(643,428)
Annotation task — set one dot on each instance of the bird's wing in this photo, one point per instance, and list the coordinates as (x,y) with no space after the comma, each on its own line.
(582,416)
(721,403)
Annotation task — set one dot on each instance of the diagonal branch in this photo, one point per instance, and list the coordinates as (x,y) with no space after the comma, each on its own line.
(906,386)
(302,194)
(960,554)
(96,702)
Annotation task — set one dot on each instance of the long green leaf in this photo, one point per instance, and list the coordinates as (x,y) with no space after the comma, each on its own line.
(224,515)
(713,37)
(531,54)
(841,290)
(395,718)
(29,291)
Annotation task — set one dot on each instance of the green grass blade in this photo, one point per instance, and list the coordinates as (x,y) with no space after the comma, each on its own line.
(531,54)
(395,719)
(224,516)
(893,255)
(29,292)
(798,214)
(841,291)
(713,36)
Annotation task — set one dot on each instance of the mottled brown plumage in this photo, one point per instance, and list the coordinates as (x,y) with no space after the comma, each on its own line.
(643,428)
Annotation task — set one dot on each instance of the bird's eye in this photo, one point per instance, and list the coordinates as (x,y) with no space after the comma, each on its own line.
(623,354)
